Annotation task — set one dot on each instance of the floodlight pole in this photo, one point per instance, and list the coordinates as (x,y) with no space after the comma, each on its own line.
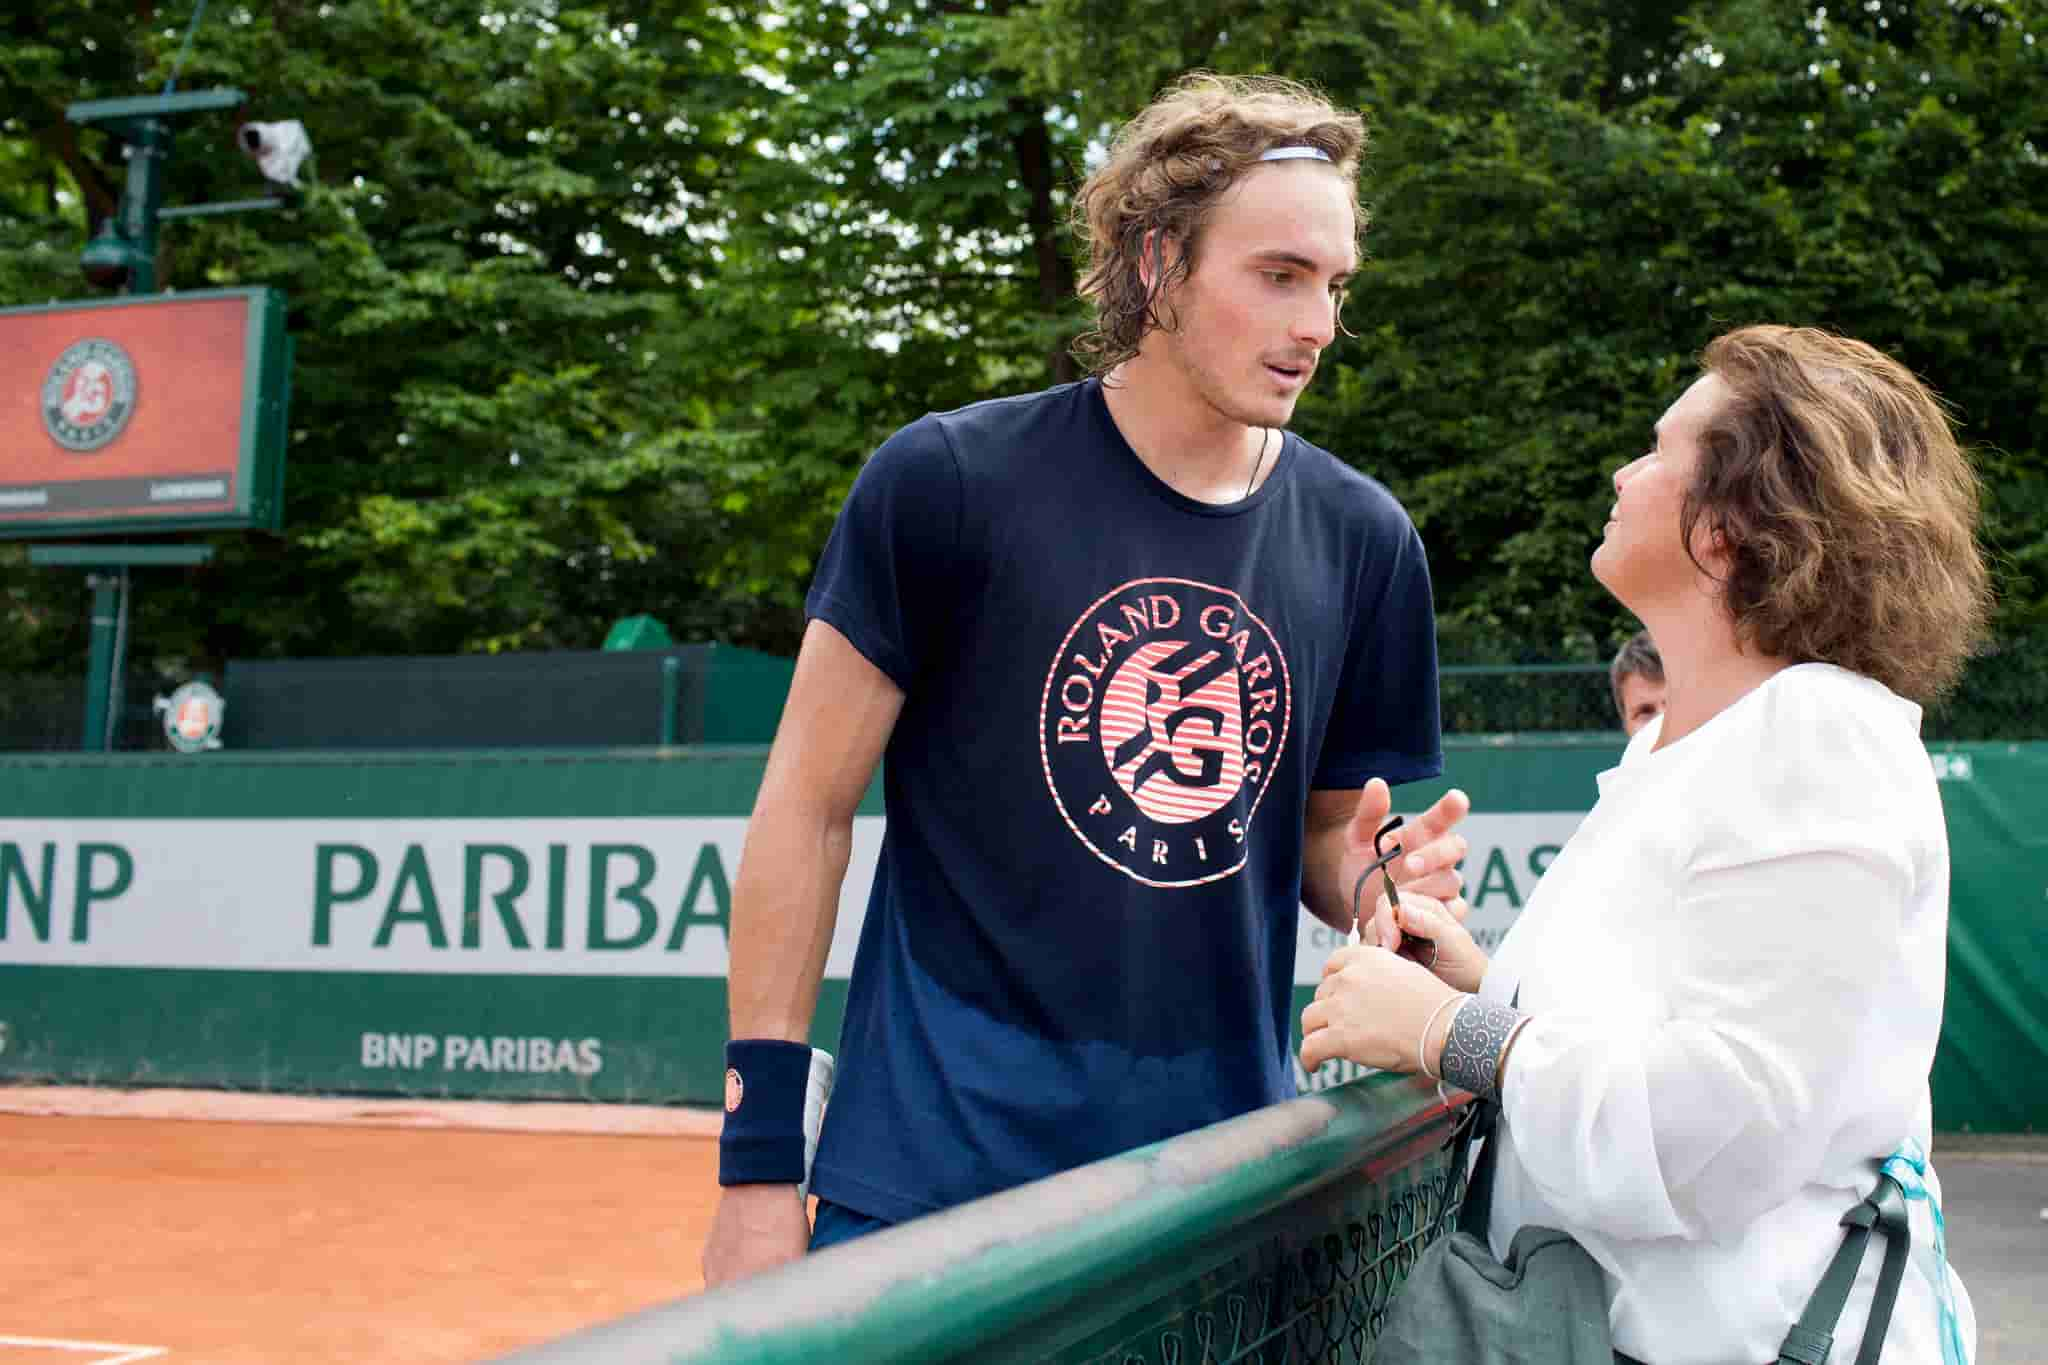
(145,124)
(142,199)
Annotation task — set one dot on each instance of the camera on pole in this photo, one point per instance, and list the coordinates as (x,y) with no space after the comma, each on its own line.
(122,252)
(278,149)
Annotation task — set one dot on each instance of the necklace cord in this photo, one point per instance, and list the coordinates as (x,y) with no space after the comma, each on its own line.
(1264,439)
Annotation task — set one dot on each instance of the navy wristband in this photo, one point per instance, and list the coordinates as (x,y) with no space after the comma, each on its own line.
(762,1142)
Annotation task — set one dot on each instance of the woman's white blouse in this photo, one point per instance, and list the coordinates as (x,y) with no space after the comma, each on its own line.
(1735,973)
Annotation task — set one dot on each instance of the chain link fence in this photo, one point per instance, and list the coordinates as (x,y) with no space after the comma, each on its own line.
(2003,696)
(1500,699)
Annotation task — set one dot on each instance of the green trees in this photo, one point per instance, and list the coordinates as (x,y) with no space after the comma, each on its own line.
(599,307)
(1569,201)
(511,222)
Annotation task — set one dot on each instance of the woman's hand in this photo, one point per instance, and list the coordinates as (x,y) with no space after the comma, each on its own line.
(1371,1008)
(1460,963)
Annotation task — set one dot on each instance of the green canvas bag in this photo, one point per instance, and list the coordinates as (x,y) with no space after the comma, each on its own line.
(1545,1305)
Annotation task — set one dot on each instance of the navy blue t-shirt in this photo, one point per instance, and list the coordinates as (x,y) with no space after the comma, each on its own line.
(1117,699)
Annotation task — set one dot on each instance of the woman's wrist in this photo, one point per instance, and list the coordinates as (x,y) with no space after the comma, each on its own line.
(1429,1047)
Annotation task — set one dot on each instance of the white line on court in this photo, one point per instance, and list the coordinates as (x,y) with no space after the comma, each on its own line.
(122,1355)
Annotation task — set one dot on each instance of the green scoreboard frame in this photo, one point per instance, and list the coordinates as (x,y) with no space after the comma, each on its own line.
(179,422)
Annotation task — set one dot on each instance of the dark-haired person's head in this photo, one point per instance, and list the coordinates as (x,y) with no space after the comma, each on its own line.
(1637,679)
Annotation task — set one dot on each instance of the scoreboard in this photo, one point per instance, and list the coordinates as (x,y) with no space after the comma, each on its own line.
(134,415)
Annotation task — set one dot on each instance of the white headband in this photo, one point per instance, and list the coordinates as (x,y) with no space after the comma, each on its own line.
(1298,153)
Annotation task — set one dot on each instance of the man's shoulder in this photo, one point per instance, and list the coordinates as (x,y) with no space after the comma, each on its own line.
(991,441)
(994,424)
(1347,489)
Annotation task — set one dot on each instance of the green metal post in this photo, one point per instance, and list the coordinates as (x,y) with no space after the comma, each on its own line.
(143,197)
(107,568)
(107,589)
(671,689)
(117,675)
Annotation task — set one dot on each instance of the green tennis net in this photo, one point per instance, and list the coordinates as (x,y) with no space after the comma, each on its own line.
(1278,1236)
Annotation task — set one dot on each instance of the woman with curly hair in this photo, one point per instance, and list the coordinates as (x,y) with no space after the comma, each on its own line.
(1712,1025)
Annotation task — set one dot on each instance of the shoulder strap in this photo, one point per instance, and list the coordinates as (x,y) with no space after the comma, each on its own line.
(1811,1338)
(1480,1122)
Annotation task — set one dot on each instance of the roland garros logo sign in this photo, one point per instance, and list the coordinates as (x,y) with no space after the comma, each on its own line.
(88,395)
(1164,713)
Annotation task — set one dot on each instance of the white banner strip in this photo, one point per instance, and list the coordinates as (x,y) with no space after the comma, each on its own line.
(592,897)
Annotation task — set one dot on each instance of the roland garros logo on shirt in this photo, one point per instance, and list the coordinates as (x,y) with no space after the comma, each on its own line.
(1164,713)
(88,395)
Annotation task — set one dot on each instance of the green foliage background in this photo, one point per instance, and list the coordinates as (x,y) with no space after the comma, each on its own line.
(599,307)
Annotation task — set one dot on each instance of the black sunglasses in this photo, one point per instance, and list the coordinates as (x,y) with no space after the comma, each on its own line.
(1412,946)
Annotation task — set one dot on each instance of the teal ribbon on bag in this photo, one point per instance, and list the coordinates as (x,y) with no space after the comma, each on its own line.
(1908,1166)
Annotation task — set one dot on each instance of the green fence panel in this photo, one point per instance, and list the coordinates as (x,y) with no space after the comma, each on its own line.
(487,924)
(515,925)
(743,694)
(634,1040)
(1991,1073)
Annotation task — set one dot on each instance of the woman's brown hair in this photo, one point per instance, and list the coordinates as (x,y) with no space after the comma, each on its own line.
(1848,511)
(1165,172)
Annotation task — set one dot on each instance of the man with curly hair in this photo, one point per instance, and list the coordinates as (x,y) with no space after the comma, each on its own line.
(1143,664)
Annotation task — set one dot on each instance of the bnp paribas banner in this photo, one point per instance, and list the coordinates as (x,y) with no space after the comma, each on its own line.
(515,956)
(553,925)
(613,897)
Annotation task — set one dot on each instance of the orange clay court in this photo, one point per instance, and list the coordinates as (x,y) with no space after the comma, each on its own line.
(186,1227)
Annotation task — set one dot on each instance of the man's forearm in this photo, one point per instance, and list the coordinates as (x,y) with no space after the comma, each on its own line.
(1322,889)
(785,905)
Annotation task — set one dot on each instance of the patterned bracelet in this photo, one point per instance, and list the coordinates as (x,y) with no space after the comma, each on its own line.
(1500,1063)
(1472,1048)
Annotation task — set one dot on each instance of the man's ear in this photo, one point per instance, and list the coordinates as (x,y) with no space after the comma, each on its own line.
(1158,251)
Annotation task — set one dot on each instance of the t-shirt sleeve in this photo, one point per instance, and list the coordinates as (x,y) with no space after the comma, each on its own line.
(1386,723)
(892,563)
(1787,926)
